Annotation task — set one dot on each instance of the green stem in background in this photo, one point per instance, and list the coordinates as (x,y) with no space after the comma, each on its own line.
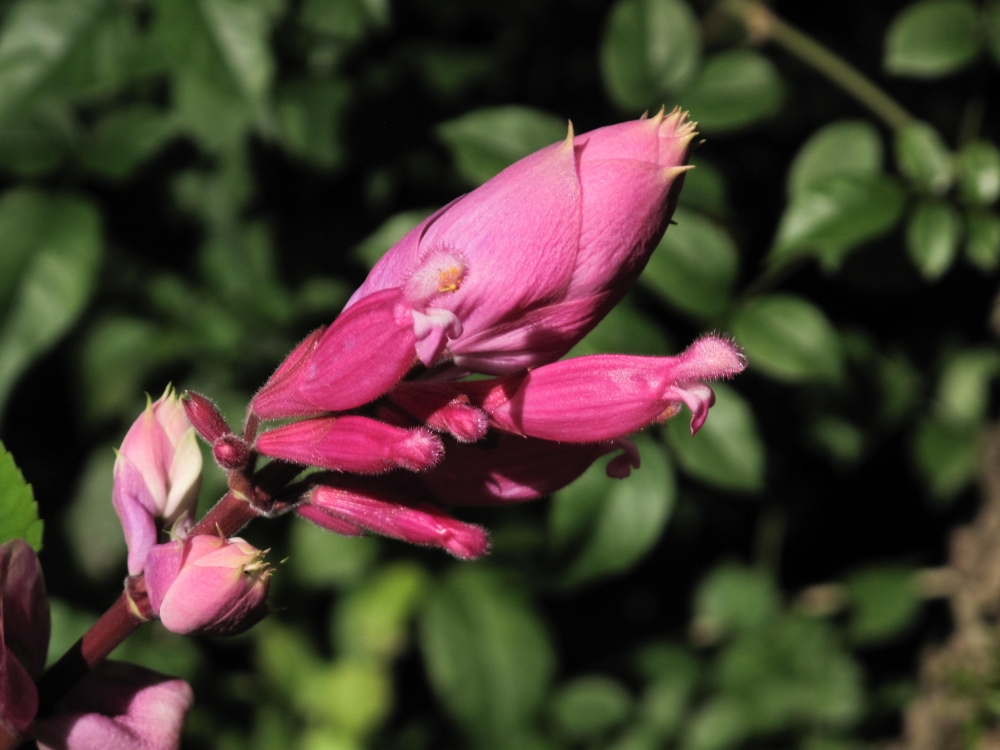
(763,25)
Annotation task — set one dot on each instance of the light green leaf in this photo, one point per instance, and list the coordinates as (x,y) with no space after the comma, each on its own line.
(836,216)
(884,601)
(345,20)
(733,90)
(391,231)
(932,38)
(695,265)
(719,724)
(630,519)
(624,330)
(18,509)
(978,166)
(156,648)
(310,114)
(735,598)
(484,142)
(124,139)
(946,453)
(932,236)
(351,694)
(64,236)
(589,707)
(92,516)
(672,672)
(320,559)
(727,452)
(846,147)
(923,157)
(488,657)
(963,392)
(788,338)
(982,239)
(650,48)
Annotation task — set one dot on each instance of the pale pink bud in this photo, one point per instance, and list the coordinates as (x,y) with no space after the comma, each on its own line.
(24,634)
(118,707)
(381,511)
(205,416)
(207,584)
(506,469)
(606,396)
(438,407)
(157,476)
(363,354)
(513,274)
(352,443)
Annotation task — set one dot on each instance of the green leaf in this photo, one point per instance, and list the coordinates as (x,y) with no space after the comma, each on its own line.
(68,624)
(963,392)
(841,440)
(923,157)
(978,166)
(991,22)
(320,559)
(124,139)
(391,231)
(350,694)
(982,239)
(733,90)
(788,338)
(589,707)
(18,509)
(488,657)
(704,189)
(727,452)
(836,216)
(624,330)
(735,598)
(92,516)
(945,454)
(719,724)
(650,48)
(694,266)
(932,236)
(310,115)
(485,141)
(932,38)
(36,140)
(673,673)
(346,20)
(630,519)
(884,602)
(64,238)
(843,148)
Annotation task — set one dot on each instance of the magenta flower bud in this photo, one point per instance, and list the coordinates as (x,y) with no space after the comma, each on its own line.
(157,476)
(508,469)
(513,274)
(205,416)
(602,397)
(439,408)
(231,452)
(352,443)
(381,511)
(207,584)
(24,634)
(115,707)
(363,354)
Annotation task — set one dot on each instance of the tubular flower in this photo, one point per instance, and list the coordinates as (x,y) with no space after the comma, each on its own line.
(157,476)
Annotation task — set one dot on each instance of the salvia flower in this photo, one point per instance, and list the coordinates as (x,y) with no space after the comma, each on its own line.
(207,584)
(157,476)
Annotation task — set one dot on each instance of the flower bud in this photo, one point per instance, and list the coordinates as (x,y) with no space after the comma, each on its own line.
(157,476)
(205,416)
(207,584)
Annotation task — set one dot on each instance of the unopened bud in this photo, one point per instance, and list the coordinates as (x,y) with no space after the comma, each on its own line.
(205,417)
(231,452)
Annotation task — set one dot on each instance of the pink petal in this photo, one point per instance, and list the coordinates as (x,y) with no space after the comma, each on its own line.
(136,511)
(439,408)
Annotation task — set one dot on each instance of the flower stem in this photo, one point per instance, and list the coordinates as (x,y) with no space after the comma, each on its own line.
(762,24)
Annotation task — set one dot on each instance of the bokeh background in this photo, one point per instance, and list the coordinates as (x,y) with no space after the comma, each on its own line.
(188,187)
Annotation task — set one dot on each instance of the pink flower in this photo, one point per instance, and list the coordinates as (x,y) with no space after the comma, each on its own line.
(157,476)
(206,584)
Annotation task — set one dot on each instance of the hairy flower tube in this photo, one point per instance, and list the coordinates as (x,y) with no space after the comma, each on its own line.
(157,476)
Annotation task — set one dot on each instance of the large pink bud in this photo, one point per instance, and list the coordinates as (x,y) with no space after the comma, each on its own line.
(513,274)
(207,584)
(157,476)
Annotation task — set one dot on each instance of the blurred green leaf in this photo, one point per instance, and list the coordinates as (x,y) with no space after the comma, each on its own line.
(673,673)
(122,140)
(845,147)
(92,516)
(734,598)
(68,624)
(589,707)
(63,235)
(391,231)
(485,141)
(922,156)
(991,22)
(945,454)
(727,452)
(624,330)
(932,235)
(283,656)
(18,509)
(834,217)
(35,141)
(963,391)
(372,620)
(630,519)
(575,508)
(718,725)
(788,338)
(348,20)
(733,90)
(884,601)
(352,695)
(488,656)
(932,38)
(978,166)
(704,189)
(841,440)
(451,72)
(899,382)
(319,558)
(156,648)
(310,115)
(650,48)
(982,239)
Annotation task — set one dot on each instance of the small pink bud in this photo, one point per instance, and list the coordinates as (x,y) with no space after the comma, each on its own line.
(205,416)
(231,452)
(439,408)
(383,512)
(352,443)
(206,584)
